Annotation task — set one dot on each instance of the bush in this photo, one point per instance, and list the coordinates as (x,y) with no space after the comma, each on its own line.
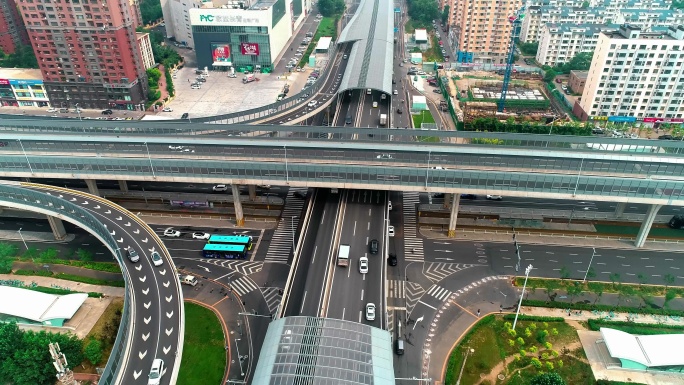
(536,318)
(590,307)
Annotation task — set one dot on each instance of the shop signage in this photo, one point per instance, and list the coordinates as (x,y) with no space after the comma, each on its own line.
(663,120)
(249,49)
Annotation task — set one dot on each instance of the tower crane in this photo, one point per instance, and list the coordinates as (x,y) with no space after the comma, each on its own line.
(516,23)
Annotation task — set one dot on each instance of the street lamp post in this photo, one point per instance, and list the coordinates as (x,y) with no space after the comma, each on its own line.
(242,372)
(22,238)
(593,252)
(287,177)
(522,294)
(427,170)
(468,350)
(78,111)
(150,159)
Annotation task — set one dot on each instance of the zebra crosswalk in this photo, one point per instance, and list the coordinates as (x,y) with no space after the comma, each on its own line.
(281,243)
(439,292)
(413,246)
(242,267)
(438,271)
(413,293)
(273,297)
(395,288)
(243,285)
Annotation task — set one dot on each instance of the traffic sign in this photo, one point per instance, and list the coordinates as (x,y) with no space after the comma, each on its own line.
(396,29)
(397,10)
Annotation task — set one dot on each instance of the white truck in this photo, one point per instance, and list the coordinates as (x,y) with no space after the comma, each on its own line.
(383,119)
(343,256)
(187,279)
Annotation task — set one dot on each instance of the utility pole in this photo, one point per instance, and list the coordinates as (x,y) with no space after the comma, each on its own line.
(517,252)
(468,350)
(64,374)
(522,294)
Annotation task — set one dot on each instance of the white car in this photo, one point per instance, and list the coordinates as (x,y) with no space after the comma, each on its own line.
(421,73)
(156,259)
(171,232)
(220,187)
(363,265)
(176,148)
(370,311)
(389,205)
(375,104)
(167,109)
(312,103)
(439,168)
(390,231)
(384,156)
(200,235)
(51,110)
(494,197)
(395,92)
(264,186)
(156,372)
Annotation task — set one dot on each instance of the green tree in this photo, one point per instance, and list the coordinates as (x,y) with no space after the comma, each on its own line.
(668,279)
(550,75)
(529,48)
(49,254)
(581,62)
(153,76)
(423,11)
(10,341)
(591,273)
(550,286)
(93,351)
(150,10)
(445,14)
(330,8)
(596,288)
(552,378)
(7,254)
(564,273)
(574,289)
(84,255)
(669,296)
(615,277)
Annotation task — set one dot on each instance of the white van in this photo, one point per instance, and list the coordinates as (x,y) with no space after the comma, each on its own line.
(368,91)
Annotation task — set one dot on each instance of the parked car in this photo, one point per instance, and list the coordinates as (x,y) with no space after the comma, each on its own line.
(469,196)
(171,232)
(51,110)
(107,112)
(390,231)
(167,109)
(220,188)
(185,115)
(200,235)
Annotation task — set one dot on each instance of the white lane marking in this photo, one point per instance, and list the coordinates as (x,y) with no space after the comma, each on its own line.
(145,336)
(430,306)
(301,309)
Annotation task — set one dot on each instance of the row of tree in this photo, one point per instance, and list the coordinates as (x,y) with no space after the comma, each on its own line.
(493,124)
(23,57)
(581,62)
(331,8)
(150,10)
(422,12)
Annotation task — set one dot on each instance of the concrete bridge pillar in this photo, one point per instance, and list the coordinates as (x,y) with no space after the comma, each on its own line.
(92,186)
(252,192)
(447,200)
(620,209)
(239,216)
(123,185)
(57,227)
(28,180)
(646,225)
(454,215)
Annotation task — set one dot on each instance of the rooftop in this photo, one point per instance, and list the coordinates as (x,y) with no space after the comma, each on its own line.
(20,73)
(586,29)
(650,351)
(37,306)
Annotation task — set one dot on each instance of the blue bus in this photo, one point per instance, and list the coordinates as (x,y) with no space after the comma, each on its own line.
(243,240)
(224,251)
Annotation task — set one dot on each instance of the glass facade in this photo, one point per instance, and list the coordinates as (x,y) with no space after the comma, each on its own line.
(297,6)
(209,37)
(278,10)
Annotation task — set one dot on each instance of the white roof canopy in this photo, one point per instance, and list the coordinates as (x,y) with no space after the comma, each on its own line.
(651,351)
(37,306)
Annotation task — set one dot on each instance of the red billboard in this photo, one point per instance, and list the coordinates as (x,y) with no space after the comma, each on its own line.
(249,49)
(663,120)
(4,82)
(220,52)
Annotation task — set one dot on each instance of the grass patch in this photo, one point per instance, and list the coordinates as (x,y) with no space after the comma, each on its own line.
(634,328)
(204,354)
(434,52)
(105,330)
(423,117)
(534,347)
(327,27)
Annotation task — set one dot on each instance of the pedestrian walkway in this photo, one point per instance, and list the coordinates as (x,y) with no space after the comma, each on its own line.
(413,246)
(243,285)
(273,296)
(280,247)
(395,288)
(439,292)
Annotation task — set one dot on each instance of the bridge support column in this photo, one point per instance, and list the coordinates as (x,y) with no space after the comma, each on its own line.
(454,215)
(252,192)
(620,209)
(646,225)
(57,227)
(447,200)
(28,180)
(123,185)
(92,186)
(239,216)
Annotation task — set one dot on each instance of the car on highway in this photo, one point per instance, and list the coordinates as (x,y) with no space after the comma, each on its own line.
(156,372)
(264,186)
(200,235)
(392,260)
(107,112)
(494,197)
(176,148)
(395,92)
(469,196)
(389,205)
(167,109)
(438,168)
(370,311)
(373,246)
(299,194)
(375,104)
(390,231)
(51,110)
(363,265)
(171,232)
(399,111)
(156,259)
(384,156)
(220,188)
(132,255)
(421,73)
(312,104)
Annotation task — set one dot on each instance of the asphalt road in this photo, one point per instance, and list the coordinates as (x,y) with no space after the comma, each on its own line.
(364,220)
(156,331)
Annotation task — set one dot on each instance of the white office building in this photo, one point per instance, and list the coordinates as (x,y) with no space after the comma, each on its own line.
(559,43)
(635,73)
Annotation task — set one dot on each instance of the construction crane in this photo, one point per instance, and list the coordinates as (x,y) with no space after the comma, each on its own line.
(516,23)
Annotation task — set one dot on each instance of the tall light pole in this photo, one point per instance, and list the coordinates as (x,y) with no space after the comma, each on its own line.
(527,274)
(242,372)
(593,252)
(78,111)
(150,159)
(22,238)
(25,156)
(427,171)
(468,350)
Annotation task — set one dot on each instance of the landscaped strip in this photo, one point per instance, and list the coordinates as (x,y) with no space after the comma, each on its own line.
(204,352)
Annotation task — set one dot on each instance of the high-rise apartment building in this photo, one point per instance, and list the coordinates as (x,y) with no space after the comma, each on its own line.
(87,52)
(538,16)
(559,43)
(480,30)
(635,73)
(12,31)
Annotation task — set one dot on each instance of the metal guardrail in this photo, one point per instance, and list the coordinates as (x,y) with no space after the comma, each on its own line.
(525,213)
(23,197)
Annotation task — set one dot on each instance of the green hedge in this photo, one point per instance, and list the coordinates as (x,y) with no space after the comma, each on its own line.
(52,290)
(70,277)
(599,307)
(111,267)
(634,328)
(535,318)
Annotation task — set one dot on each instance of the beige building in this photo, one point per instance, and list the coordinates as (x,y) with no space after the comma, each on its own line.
(145,46)
(637,74)
(577,81)
(480,29)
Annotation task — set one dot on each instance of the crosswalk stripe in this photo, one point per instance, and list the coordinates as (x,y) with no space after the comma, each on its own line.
(413,246)
(272,297)
(243,285)
(281,243)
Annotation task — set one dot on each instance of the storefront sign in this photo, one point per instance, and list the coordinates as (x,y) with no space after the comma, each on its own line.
(228,19)
(249,49)
(622,119)
(4,82)
(220,52)
(663,120)
(17,82)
